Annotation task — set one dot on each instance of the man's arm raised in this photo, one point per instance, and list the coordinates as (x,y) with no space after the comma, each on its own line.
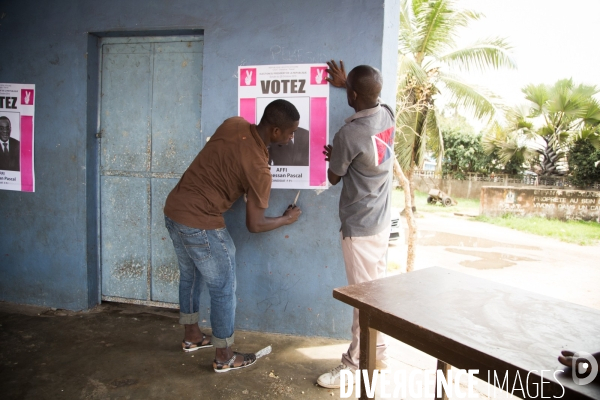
(337,78)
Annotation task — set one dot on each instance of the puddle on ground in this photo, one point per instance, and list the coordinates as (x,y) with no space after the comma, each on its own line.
(489,260)
(433,238)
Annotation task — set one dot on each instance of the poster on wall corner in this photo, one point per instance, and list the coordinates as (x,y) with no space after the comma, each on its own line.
(299,164)
(17,106)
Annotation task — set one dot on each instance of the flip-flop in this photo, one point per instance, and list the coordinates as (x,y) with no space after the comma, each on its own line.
(190,346)
(226,366)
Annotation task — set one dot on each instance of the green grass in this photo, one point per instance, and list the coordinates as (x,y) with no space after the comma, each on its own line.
(584,233)
(464,206)
(580,232)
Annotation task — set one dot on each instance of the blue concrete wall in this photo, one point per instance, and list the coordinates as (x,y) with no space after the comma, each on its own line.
(48,239)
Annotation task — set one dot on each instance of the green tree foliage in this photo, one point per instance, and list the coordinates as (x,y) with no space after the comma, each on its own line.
(584,163)
(464,154)
(515,166)
(567,110)
(507,144)
(428,56)
(542,132)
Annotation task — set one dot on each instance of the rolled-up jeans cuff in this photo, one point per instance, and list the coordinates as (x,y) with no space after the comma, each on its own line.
(188,319)
(222,343)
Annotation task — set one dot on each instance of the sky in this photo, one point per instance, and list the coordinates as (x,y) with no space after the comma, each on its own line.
(550,39)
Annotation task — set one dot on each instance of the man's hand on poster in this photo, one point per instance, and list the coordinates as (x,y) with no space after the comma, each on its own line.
(248,78)
(328,149)
(337,74)
(293,213)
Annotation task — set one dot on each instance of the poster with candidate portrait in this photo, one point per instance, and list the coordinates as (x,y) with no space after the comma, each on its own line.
(299,164)
(17,106)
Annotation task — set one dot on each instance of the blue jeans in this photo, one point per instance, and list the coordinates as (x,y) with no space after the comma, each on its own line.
(206,256)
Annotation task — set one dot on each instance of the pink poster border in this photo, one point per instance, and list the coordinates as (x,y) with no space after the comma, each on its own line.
(248,109)
(27,182)
(318,133)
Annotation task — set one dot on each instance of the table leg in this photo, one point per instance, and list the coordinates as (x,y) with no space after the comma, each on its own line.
(368,343)
(444,368)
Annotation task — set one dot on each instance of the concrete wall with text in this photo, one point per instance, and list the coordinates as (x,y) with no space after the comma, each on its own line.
(49,239)
(465,189)
(549,203)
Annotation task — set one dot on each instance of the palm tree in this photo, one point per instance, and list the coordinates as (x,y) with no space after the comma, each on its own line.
(509,142)
(554,118)
(428,57)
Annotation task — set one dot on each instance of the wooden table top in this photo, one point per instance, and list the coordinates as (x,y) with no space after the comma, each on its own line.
(473,323)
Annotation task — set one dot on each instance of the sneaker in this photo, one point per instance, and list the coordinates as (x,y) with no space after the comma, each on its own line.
(331,379)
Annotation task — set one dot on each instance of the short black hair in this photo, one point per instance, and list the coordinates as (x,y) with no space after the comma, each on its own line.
(3,118)
(281,114)
(366,81)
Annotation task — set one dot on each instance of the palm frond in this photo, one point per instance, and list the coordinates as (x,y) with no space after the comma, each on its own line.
(512,146)
(480,101)
(435,140)
(405,139)
(409,67)
(482,55)
(493,135)
(436,25)
(420,147)
(593,137)
(565,100)
(406,29)
(511,141)
(589,133)
(517,120)
(570,100)
(538,95)
(409,124)
(592,114)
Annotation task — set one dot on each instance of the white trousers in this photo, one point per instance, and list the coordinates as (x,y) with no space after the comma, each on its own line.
(365,259)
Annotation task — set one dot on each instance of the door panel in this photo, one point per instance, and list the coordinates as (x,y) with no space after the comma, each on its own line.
(176,104)
(126,102)
(124,236)
(150,128)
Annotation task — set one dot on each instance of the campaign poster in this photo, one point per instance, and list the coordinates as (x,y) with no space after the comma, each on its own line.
(300,164)
(17,105)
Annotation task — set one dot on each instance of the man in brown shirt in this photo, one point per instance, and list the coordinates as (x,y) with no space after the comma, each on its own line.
(233,162)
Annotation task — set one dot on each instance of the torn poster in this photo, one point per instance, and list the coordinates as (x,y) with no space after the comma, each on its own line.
(301,163)
(17,106)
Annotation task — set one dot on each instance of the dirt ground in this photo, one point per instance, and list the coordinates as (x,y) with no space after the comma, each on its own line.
(120,351)
(133,352)
(543,265)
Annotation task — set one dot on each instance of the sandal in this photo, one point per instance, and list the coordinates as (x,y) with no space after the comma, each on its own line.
(249,359)
(190,346)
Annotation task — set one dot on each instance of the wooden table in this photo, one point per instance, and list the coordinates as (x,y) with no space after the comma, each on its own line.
(473,323)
